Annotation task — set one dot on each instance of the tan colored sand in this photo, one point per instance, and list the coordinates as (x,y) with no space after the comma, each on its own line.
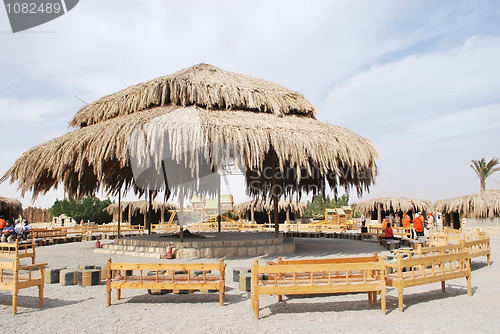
(75,309)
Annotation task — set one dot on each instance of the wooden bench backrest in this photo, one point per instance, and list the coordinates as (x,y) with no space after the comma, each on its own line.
(16,250)
(169,267)
(458,261)
(373,258)
(366,268)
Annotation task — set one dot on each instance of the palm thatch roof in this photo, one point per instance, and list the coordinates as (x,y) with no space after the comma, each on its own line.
(12,206)
(202,85)
(263,122)
(266,205)
(485,204)
(394,204)
(141,206)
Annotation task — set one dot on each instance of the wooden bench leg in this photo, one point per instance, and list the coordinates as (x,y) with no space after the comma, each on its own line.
(400,299)
(469,287)
(14,303)
(118,294)
(40,296)
(442,286)
(382,301)
(488,258)
(370,298)
(280,298)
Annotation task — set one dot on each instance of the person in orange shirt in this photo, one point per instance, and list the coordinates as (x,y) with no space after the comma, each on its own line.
(407,223)
(385,222)
(418,225)
(2,223)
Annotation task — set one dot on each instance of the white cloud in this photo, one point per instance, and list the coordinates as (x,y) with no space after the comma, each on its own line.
(419,78)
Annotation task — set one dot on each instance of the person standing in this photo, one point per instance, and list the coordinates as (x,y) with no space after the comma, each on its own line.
(418,225)
(430,221)
(439,221)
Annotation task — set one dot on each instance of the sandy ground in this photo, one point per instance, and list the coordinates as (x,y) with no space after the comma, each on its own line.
(73,309)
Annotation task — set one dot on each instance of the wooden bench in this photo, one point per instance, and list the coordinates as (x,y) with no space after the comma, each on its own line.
(476,244)
(15,276)
(479,247)
(40,233)
(373,231)
(425,269)
(339,275)
(199,276)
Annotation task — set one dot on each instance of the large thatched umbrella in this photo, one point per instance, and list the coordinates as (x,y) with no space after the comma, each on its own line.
(10,208)
(140,206)
(485,204)
(283,148)
(391,204)
(266,205)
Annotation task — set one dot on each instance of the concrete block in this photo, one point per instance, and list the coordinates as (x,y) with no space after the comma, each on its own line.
(52,276)
(89,277)
(159,291)
(68,277)
(238,271)
(245,281)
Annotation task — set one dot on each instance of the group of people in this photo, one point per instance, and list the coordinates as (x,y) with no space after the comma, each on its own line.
(417,224)
(17,230)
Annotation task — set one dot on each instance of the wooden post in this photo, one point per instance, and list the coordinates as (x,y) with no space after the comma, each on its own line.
(150,211)
(379,213)
(252,212)
(119,214)
(219,217)
(275,199)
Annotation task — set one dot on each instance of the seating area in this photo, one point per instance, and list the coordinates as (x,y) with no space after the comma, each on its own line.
(15,275)
(172,277)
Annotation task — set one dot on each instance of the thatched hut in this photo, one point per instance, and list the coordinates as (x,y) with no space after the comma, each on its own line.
(10,208)
(260,210)
(135,212)
(377,208)
(482,207)
(284,149)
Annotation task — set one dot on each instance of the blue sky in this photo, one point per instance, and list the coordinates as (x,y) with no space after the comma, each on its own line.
(418,78)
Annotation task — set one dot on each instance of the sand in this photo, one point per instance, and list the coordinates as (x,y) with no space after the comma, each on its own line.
(74,309)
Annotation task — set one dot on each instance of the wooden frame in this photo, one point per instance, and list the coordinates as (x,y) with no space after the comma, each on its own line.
(14,276)
(419,270)
(165,277)
(340,275)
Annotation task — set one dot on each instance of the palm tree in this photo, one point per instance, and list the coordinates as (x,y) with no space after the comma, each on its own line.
(484,170)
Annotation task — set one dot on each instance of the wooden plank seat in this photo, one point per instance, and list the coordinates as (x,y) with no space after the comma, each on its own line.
(15,276)
(423,269)
(317,276)
(200,276)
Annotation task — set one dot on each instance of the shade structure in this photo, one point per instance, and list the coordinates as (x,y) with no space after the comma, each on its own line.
(202,113)
(392,204)
(485,204)
(10,208)
(266,205)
